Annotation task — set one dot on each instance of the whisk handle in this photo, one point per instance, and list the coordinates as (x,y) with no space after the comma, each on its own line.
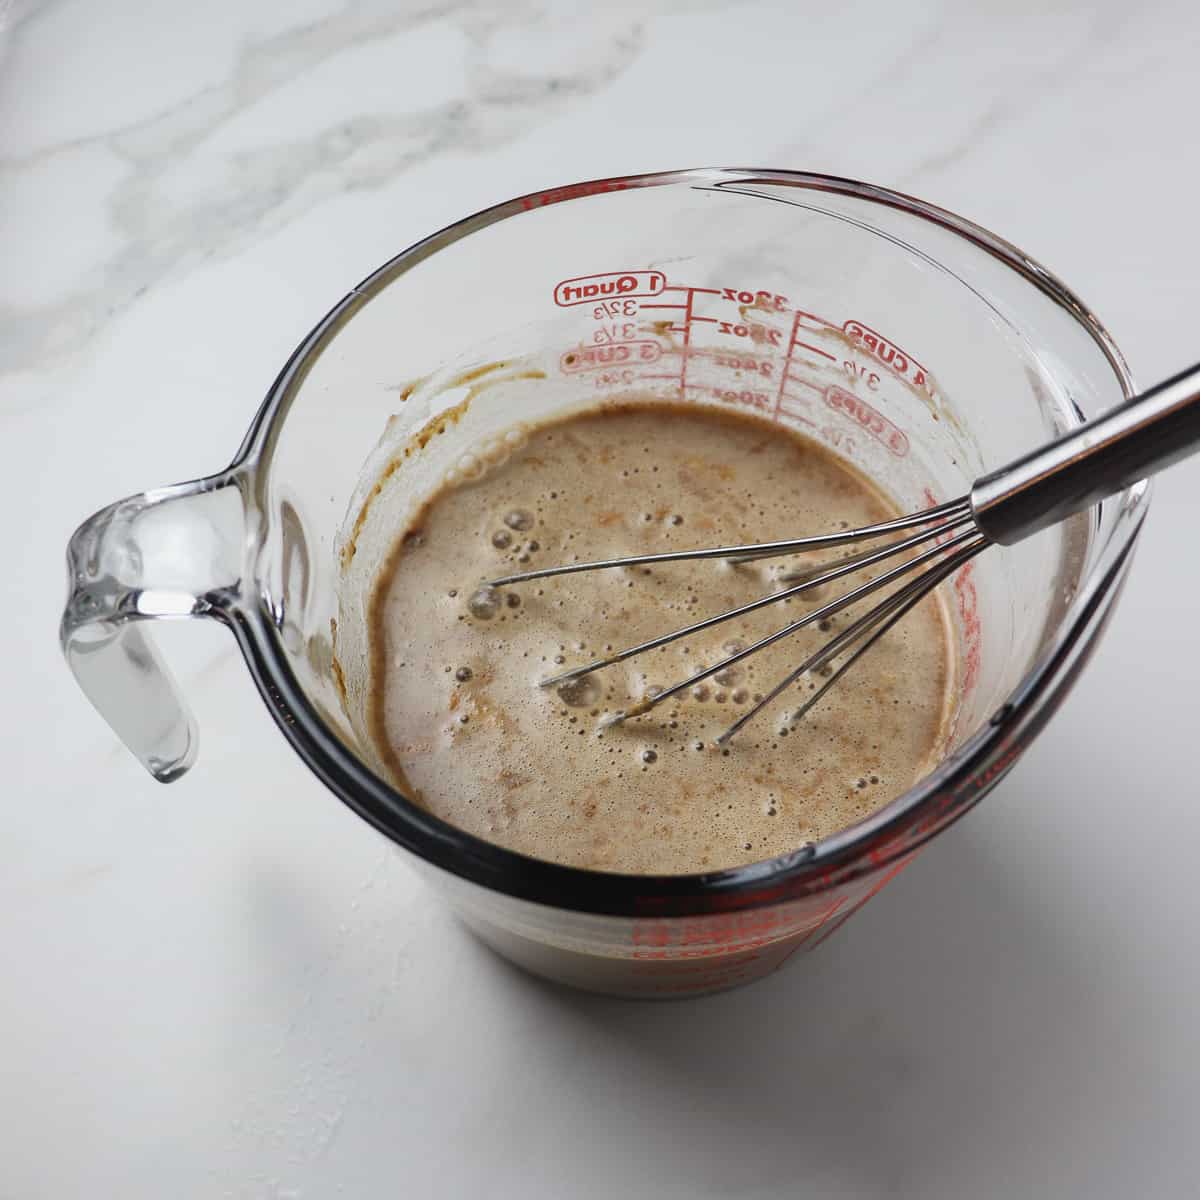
(1136,439)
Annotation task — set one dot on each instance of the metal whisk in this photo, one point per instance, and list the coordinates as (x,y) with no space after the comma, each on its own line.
(1138,438)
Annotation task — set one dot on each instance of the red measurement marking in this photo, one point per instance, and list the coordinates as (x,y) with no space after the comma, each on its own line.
(815,924)
(783,375)
(812,387)
(710,320)
(889,354)
(760,298)
(720,934)
(873,421)
(812,321)
(586,288)
(615,333)
(687,342)
(615,308)
(588,358)
(679,287)
(816,350)
(994,770)
(857,371)
(743,396)
(663,306)
(793,342)
(610,379)
(794,407)
(754,365)
(751,329)
(880,884)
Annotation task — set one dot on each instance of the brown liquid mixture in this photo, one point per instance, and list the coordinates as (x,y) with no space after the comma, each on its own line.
(455,708)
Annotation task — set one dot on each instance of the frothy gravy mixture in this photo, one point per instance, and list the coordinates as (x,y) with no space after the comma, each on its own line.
(455,709)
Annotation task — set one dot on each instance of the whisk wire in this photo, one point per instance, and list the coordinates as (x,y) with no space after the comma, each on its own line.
(834,606)
(955,512)
(880,619)
(838,571)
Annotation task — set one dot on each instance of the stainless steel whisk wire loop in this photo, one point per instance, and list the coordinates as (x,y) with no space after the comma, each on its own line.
(1080,468)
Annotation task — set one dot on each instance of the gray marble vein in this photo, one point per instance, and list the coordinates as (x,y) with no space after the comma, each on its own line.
(178,197)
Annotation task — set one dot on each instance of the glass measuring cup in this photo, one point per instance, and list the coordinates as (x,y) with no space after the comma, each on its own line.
(918,345)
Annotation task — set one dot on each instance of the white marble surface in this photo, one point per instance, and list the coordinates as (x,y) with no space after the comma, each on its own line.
(230,987)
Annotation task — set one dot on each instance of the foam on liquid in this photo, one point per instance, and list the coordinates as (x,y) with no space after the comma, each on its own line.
(456,712)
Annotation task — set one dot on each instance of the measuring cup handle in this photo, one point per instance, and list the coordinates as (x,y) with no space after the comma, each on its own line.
(174,552)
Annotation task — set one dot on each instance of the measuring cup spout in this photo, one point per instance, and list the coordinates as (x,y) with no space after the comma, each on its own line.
(174,552)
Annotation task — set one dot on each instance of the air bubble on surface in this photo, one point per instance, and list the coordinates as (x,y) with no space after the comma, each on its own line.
(484,603)
(583,692)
